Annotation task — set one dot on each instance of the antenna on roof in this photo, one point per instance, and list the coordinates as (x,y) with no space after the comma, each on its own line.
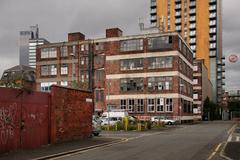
(141,24)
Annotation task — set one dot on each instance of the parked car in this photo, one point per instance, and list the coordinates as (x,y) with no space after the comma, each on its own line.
(156,119)
(168,121)
(96,126)
(110,121)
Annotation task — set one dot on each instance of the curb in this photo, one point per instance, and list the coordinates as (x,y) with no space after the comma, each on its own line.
(81,149)
(222,152)
(225,144)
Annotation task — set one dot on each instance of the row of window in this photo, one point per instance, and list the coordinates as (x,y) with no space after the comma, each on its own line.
(185,69)
(153,43)
(185,51)
(52,52)
(153,63)
(51,70)
(186,87)
(153,105)
(154,84)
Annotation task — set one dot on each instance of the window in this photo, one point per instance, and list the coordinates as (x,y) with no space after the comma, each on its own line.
(131,105)
(195,96)
(195,81)
(82,47)
(213,53)
(64,83)
(99,59)
(131,45)
(64,52)
(82,78)
(169,105)
(160,62)
(48,70)
(131,64)
(151,105)
(212,45)
(99,46)
(160,42)
(64,69)
(160,105)
(74,50)
(193,47)
(82,60)
(195,68)
(46,86)
(140,106)
(48,53)
(213,30)
(99,95)
(99,75)
(123,104)
(132,84)
(160,83)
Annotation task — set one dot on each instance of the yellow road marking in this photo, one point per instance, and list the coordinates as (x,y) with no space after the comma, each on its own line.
(215,151)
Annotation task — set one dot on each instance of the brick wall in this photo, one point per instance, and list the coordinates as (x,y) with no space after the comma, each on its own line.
(71,114)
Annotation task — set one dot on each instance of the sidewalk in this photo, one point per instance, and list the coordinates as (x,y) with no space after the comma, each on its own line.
(57,148)
(232,149)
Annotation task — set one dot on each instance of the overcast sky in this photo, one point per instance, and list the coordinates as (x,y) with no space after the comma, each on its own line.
(56,18)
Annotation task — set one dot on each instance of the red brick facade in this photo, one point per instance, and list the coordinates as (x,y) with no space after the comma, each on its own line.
(71,114)
(105,57)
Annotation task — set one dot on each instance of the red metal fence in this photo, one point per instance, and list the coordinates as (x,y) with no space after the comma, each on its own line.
(24,119)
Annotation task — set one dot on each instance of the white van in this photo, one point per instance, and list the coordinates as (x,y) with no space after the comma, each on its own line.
(115,113)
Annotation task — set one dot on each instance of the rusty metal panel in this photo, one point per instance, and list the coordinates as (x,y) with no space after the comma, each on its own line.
(35,119)
(24,119)
(9,120)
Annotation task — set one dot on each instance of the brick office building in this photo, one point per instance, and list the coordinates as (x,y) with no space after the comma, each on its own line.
(147,75)
(65,63)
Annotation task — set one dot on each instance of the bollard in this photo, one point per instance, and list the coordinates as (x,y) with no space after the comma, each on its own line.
(126,123)
(116,127)
(139,126)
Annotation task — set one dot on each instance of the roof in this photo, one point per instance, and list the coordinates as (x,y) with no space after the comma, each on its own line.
(19,72)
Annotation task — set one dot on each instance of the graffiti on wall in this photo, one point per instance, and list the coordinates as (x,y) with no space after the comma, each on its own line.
(8,115)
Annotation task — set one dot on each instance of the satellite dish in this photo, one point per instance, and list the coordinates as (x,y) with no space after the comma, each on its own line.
(233,58)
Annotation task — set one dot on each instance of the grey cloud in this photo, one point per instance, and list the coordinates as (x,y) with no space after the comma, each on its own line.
(58,17)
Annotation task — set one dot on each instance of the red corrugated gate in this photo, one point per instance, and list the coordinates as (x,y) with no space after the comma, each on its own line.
(24,119)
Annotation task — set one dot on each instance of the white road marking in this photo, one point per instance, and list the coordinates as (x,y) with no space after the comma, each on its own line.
(229,138)
(237,139)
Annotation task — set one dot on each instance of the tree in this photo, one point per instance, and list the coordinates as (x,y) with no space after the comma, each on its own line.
(210,110)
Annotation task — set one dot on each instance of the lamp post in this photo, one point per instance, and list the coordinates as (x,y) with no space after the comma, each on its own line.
(108,104)
(180,106)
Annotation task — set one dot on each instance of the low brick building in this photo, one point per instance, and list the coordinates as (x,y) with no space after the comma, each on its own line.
(202,88)
(147,74)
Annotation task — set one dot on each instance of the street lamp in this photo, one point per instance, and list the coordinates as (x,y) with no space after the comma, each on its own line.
(180,106)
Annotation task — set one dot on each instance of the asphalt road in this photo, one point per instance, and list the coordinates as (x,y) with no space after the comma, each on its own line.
(187,142)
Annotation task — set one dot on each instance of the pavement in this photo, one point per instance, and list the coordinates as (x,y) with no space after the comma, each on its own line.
(231,149)
(50,151)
